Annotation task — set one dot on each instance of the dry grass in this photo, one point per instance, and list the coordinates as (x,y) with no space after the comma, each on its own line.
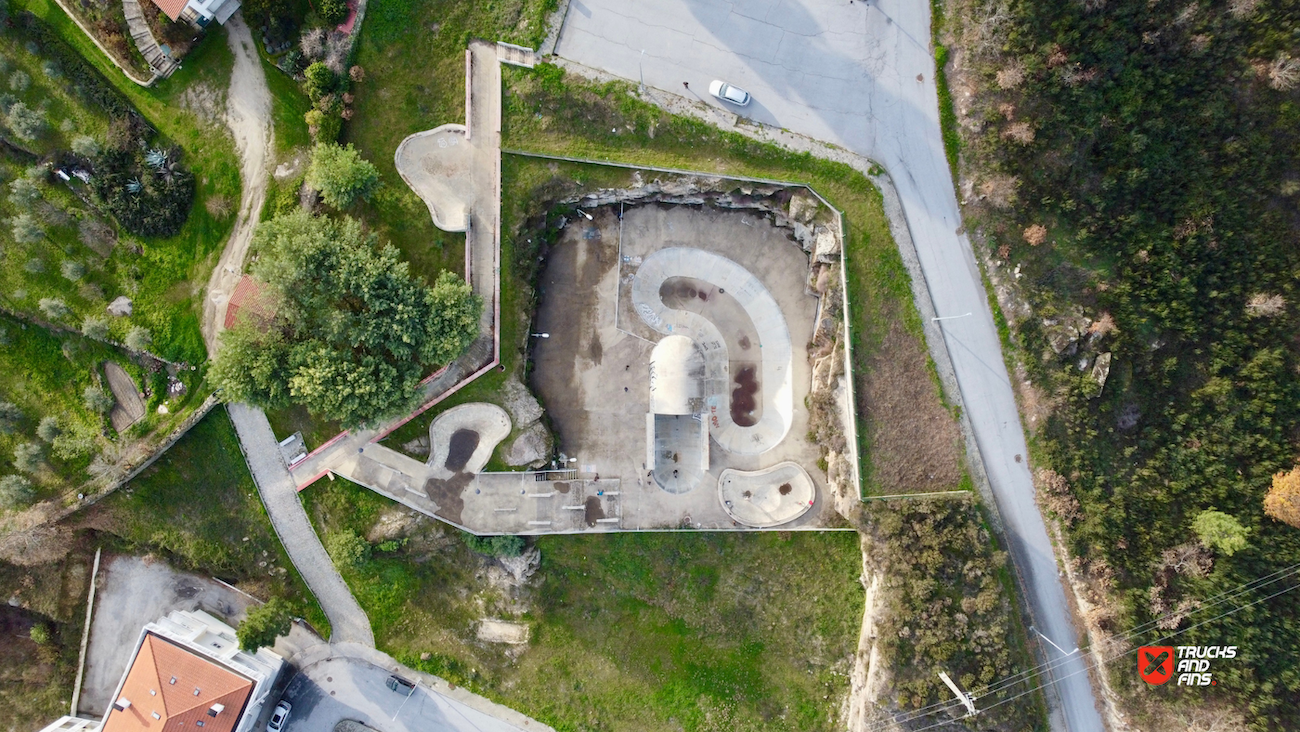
(915,443)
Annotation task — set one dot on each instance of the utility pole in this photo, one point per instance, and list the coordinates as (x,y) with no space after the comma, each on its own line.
(962,696)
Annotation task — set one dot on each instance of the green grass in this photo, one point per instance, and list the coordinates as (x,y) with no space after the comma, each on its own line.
(315,431)
(947,113)
(288,106)
(693,631)
(198,506)
(172,270)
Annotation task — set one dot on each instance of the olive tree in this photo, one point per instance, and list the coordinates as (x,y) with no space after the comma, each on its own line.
(341,174)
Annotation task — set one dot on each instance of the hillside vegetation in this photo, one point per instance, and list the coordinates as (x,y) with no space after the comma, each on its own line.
(1135,162)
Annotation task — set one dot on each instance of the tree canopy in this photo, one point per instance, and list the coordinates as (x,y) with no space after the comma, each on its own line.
(354,331)
(341,174)
(264,624)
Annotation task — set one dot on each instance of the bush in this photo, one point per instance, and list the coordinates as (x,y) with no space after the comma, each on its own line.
(48,429)
(95,327)
(23,192)
(15,492)
(27,124)
(10,416)
(319,81)
(26,230)
(333,12)
(52,70)
(54,308)
(19,81)
(28,457)
(73,270)
(146,199)
(40,634)
(341,174)
(96,400)
(495,546)
(1220,531)
(264,624)
(138,338)
(347,548)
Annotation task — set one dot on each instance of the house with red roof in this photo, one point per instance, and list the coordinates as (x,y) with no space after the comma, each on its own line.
(198,13)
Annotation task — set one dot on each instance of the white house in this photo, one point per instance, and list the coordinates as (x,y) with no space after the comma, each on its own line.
(198,13)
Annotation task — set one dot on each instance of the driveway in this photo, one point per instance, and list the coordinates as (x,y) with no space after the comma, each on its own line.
(861,75)
(330,691)
(132,593)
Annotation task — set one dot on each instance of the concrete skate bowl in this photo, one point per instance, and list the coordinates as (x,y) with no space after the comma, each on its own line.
(766,498)
(740,329)
(438,165)
(461,439)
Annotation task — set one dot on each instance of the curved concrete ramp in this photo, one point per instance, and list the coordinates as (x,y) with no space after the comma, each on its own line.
(773,353)
(461,439)
(438,165)
(766,498)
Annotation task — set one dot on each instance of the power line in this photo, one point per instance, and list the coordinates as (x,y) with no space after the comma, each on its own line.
(1003,684)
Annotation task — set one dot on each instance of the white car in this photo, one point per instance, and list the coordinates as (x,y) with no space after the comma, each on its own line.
(728,93)
(279,717)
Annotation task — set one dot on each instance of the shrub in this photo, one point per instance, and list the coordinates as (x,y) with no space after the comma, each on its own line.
(495,546)
(1220,531)
(138,338)
(26,230)
(319,80)
(48,429)
(357,74)
(52,70)
(333,12)
(15,491)
(85,146)
(264,624)
(96,400)
(54,308)
(27,124)
(19,81)
(10,416)
(40,634)
(347,548)
(73,270)
(148,200)
(341,174)
(28,457)
(95,327)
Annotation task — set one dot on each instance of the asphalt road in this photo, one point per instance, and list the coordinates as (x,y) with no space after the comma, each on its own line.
(861,76)
(331,691)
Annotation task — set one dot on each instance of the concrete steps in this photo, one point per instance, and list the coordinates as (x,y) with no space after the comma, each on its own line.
(144,41)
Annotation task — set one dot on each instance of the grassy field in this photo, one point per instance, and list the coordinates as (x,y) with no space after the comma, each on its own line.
(629,631)
(198,506)
(186,109)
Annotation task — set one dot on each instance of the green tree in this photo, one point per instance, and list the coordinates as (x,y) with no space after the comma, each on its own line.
(347,548)
(26,229)
(354,333)
(333,12)
(54,308)
(27,123)
(23,192)
(15,491)
(341,174)
(1220,531)
(264,624)
(138,338)
(495,546)
(95,327)
(97,400)
(19,81)
(319,80)
(72,270)
(40,634)
(85,146)
(28,457)
(48,429)
(10,416)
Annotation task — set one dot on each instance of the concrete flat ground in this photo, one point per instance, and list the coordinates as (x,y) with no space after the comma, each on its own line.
(591,374)
(132,594)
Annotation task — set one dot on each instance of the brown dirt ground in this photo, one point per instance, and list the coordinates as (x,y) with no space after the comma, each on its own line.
(915,442)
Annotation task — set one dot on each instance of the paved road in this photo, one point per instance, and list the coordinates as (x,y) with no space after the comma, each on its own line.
(861,76)
(280,495)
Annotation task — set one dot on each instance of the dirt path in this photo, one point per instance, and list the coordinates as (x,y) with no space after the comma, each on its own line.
(248,114)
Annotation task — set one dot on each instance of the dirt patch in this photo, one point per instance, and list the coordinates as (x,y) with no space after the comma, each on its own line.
(561,487)
(460,449)
(447,494)
(745,343)
(743,399)
(593,511)
(915,442)
(785,489)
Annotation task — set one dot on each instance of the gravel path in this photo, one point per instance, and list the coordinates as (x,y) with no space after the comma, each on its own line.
(280,495)
(248,114)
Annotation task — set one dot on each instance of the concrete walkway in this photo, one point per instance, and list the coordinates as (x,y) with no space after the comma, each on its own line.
(280,495)
(163,64)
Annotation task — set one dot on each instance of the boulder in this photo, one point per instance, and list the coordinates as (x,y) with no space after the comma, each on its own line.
(523,407)
(120,307)
(826,246)
(803,208)
(1101,370)
(532,447)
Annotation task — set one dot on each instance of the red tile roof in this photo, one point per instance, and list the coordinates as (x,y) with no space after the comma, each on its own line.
(173,688)
(172,8)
